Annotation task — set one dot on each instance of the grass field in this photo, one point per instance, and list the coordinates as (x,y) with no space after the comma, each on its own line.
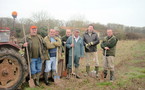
(129,71)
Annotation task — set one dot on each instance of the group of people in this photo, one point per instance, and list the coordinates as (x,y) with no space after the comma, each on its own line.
(48,49)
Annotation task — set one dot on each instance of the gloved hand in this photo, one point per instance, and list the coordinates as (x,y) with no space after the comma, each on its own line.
(91,43)
(87,45)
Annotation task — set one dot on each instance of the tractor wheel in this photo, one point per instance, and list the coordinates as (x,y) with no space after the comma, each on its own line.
(12,69)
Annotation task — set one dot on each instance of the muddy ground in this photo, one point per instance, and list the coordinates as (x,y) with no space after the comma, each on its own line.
(129,71)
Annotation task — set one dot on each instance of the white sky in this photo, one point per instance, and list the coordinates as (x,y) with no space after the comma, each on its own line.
(127,12)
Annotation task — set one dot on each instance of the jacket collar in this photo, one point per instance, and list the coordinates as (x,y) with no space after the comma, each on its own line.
(110,37)
(87,32)
(29,36)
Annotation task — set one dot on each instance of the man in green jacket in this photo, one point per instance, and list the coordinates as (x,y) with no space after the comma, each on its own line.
(37,52)
(109,47)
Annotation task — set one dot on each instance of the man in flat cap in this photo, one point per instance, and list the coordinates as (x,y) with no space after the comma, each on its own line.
(75,42)
(57,31)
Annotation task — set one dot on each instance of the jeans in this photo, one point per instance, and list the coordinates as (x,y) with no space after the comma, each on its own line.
(50,64)
(36,65)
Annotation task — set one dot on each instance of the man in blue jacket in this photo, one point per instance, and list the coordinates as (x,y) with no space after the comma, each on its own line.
(76,42)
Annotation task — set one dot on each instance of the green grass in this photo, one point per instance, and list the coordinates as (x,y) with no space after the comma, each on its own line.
(141,76)
(137,69)
(104,84)
(32,89)
(121,83)
(134,55)
(142,70)
(37,89)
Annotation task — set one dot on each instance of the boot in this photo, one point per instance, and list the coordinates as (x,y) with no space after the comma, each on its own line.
(88,69)
(37,79)
(76,71)
(46,78)
(68,73)
(34,76)
(111,76)
(54,73)
(105,73)
(97,71)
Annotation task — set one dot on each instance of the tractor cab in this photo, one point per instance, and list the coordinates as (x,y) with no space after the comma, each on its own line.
(4,34)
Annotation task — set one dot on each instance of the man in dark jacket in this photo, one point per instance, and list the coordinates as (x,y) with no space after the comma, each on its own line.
(37,52)
(91,41)
(109,47)
(64,39)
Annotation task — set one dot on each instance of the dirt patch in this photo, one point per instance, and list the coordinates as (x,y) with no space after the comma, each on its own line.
(140,64)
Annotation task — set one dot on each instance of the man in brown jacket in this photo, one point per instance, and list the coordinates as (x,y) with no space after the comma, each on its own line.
(52,43)
(37,52)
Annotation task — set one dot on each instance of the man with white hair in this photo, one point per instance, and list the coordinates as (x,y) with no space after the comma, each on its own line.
(75,42)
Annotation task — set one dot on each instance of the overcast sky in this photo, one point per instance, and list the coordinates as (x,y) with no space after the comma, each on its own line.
(127,12)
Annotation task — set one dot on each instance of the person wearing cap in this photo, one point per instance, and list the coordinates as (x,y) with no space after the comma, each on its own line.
(52,43)
(37,52)
(57,34)
(64,39)
(76,42)
(109,47)
(57,31)
(91,41)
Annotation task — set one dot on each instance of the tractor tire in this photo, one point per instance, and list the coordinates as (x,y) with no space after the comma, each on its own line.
(12,69)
